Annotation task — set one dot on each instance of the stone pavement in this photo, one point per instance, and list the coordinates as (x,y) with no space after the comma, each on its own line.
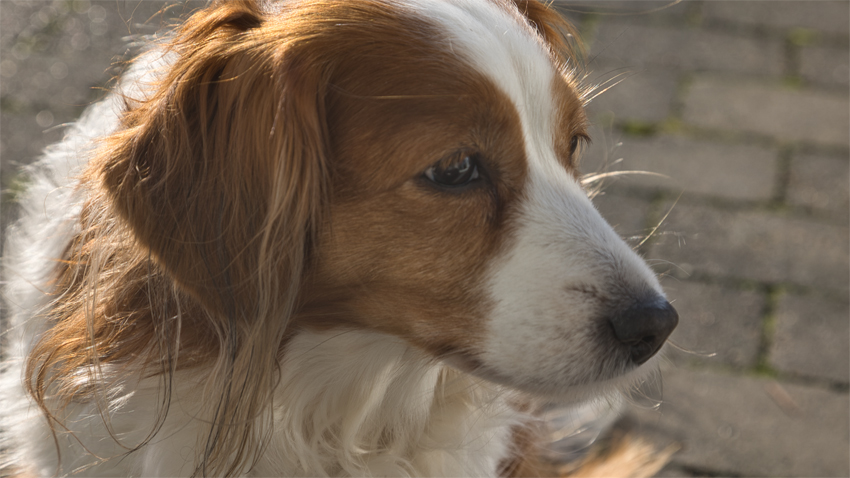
(56,56)
(741,105)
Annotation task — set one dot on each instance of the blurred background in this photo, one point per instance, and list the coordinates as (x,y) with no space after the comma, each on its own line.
(742,109)
(743,106)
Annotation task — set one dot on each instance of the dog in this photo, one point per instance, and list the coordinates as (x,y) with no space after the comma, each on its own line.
(321,237)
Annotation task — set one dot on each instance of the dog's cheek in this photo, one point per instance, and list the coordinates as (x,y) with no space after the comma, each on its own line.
(536,331)
(410,262)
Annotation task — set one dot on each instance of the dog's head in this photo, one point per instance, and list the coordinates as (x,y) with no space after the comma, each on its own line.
(408,167)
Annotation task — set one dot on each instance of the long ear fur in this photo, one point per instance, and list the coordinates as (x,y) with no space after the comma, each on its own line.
(221,170)
(220,175)
(556,31)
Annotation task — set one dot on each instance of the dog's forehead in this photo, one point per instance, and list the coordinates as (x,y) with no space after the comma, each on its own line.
(499,42)
(492,35)
(418,80)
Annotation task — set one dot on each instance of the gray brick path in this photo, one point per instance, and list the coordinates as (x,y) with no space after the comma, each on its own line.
(757,245)
(743,104)
(811,338)
(786,114)
(722,325)
(819,182)
(737,171)
(734,425)
(829,17)
(644,94)
(827,66)
(636,45)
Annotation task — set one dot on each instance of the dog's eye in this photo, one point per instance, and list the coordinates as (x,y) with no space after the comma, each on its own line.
(458,170)
(577,143)
(573,145)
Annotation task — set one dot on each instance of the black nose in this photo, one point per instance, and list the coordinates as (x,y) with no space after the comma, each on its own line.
(645,326)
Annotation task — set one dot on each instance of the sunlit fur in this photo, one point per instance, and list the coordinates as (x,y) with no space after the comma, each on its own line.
(235,263)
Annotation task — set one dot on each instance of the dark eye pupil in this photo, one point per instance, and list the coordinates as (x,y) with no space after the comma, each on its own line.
(454,173)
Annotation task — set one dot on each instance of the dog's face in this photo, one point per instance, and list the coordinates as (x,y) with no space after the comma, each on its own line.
(428,150)
(457,220)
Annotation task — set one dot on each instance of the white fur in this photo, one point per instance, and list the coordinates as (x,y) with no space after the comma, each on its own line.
(349,403)
(50,207)
(541,333)
(391,412)
(49,211)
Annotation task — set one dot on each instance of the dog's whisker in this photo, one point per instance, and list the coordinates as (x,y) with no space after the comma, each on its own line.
(616,10)
(607,85)
(691,351)
(676,266)
(660,222)
(593,87)
(647,393)
(592,178)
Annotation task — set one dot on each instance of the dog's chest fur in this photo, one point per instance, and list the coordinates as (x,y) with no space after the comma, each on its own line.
(354,403)
(348,404)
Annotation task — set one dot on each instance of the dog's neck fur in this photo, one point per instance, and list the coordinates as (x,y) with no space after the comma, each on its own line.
(358,403)
(349,403)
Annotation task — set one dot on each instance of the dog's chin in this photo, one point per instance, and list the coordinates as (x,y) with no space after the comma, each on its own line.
(628,384)
(564,390)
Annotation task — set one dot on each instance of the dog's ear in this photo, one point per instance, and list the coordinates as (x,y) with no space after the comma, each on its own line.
(220,171)
(554,29)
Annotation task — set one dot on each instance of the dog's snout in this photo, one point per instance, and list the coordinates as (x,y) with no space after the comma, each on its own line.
(644,327)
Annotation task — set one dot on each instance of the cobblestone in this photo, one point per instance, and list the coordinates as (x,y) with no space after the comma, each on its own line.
(673,471)
(755,245)
(826,16)
(720,326)
(731,171)
(687,49)
(812,338)
(45,46)
(629,10)
(746,426)
(645,95)
(828,66)
(820,182)
(746,140)
(783,113)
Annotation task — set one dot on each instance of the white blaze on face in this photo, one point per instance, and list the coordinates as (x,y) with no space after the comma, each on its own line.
(566,268)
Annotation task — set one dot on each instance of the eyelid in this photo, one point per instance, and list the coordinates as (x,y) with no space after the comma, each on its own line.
(583,142)
(583,139)
(450,160)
